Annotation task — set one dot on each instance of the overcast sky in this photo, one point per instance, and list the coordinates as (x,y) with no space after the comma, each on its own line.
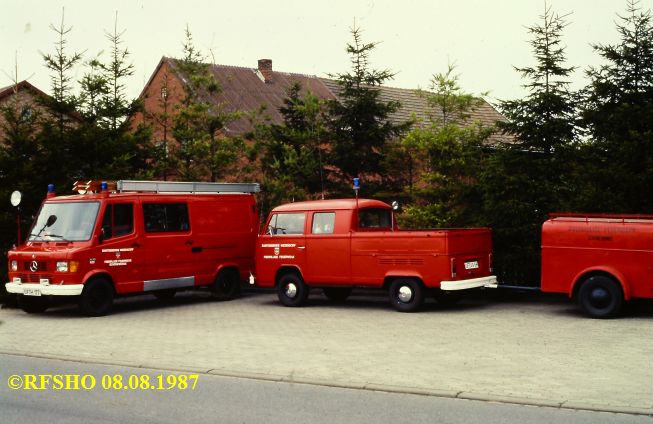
(484,38)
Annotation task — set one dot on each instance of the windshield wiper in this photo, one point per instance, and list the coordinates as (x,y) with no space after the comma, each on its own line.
(57,236)
(43,237)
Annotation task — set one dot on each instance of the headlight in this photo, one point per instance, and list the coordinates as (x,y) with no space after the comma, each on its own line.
(14,265)
(66,266)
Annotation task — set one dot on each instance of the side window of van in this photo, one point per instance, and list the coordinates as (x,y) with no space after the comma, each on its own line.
(374,219)
(118,220)
(286,223)
(166,217)
(323,222)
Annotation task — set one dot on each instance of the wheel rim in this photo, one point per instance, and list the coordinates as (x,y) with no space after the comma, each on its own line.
(600,298)
(405,294)
(290,290)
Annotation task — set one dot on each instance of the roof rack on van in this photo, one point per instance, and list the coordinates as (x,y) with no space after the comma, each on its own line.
(186,187)
(96,186)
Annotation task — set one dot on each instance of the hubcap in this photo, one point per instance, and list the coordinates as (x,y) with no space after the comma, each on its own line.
(405,294)
(291,290)
(600,297)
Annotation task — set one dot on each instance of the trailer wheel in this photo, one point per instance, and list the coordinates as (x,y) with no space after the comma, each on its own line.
(447,298)
(406,295)
(33,304)
(96,298)
(337,294)
(226,285)
(600,297)
(292,290)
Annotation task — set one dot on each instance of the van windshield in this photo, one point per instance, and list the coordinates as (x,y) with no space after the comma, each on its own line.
(73,221)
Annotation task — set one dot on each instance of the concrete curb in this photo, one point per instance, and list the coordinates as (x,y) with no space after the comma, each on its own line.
(484,397)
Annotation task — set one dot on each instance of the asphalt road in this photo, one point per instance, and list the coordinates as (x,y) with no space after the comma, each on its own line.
(235,400)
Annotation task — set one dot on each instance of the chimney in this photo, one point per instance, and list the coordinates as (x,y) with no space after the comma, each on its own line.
(265,68)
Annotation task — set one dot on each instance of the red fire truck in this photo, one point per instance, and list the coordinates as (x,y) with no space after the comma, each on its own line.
(340,244)
(133,237)
(601,260)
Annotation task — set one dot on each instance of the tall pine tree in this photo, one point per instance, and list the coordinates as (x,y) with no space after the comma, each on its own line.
(618,112)
(359,119)
(527,177)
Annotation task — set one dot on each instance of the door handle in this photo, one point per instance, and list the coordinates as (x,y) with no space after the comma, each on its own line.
(196,249)
(136,245)
(301,247)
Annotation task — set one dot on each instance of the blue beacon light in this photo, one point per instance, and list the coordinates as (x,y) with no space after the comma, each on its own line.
(357,186)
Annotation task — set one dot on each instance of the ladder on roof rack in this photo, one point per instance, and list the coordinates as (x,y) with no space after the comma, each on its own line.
(186,187)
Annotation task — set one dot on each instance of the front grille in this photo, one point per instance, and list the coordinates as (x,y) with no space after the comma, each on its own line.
(42,266)
(34,277)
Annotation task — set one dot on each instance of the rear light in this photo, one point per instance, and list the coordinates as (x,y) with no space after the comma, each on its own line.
(14,266)
(453,268)
(489,262)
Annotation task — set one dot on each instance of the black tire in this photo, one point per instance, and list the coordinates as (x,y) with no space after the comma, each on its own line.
(165,295)
(600,297)
(291,290)
(33,304)
(96,298)
(337,294)
(447,298)
(406,294)
(226,285)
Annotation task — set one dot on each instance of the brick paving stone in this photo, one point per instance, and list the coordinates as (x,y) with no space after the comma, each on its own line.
(535,348)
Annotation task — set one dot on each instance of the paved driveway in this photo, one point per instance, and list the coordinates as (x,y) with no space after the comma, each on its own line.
(532,349)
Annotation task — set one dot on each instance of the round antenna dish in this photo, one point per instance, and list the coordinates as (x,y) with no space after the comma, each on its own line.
(16,197)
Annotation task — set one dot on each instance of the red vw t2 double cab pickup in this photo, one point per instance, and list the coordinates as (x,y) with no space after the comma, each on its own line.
(135,237)
(601,260)
(340,244)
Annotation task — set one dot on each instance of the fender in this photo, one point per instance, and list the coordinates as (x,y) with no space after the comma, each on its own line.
(293,266)
(224,265)
(403,274)
(603,269)
(95,272)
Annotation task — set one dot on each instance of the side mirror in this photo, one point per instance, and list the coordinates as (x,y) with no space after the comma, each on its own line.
(100,238)
(16,197)
(395,205)
(51,220)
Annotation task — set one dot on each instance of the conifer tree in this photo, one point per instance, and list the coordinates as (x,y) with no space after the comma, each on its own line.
(529,175)
(292,153)
(359,121)
(617,112)
(203,150)
(449,151)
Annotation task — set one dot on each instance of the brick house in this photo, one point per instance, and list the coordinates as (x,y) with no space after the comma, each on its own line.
(250,89)
(24,98)
(27,102)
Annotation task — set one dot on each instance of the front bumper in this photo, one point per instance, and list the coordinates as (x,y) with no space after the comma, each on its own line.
(472,283)
(45,289)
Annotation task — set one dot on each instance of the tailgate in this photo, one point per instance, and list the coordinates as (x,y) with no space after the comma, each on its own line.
(470,252)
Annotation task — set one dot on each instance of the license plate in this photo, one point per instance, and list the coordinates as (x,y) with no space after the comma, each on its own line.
(32,292)
(471,265)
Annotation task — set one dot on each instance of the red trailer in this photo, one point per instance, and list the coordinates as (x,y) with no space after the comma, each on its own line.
(601,260)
